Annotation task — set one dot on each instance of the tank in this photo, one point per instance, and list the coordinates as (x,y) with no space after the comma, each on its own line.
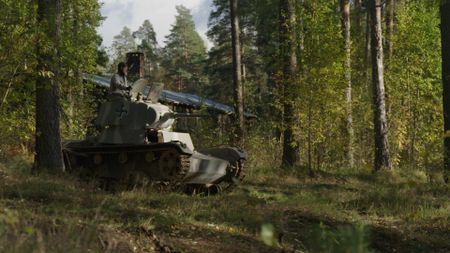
(134,145)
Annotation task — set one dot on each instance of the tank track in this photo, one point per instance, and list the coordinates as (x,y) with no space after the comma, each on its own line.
(167,171)
(176,182)
(81,160)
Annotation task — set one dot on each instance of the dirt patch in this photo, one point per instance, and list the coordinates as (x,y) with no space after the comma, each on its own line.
(201,240)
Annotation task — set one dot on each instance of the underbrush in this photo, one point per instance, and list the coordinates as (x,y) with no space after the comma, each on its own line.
(335,211)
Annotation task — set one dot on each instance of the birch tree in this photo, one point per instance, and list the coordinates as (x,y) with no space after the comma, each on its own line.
(345,10)
(382,159)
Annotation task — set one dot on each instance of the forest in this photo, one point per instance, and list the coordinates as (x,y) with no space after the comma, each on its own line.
(339,111)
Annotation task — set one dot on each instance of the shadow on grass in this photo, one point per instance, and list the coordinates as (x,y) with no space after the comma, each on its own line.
(207,239)
(316,234)
(307,213)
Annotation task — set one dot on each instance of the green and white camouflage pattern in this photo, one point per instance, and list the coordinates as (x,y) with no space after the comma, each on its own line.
(136,143)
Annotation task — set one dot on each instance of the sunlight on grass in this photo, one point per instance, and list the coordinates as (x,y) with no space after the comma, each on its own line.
(314,215)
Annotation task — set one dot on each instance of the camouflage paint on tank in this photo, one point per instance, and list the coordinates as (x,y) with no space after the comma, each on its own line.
(126,148)
(123,121)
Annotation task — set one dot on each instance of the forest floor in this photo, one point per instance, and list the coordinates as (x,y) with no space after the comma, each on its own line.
(284,212)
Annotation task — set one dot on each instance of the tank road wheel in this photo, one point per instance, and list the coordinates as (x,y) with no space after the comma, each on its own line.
(149,157)
(214,189)
(168,164)
(122,158)
(97,159)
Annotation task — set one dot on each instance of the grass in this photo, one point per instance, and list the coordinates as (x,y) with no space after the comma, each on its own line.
(338,211)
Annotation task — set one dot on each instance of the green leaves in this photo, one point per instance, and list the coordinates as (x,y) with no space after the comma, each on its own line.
(267,234)
(123,43)
(414,85)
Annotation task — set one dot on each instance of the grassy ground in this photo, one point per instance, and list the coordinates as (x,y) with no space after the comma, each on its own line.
(335,212)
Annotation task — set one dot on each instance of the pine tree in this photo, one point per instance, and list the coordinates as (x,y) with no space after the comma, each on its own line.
(237,71)
(445,33)
(148,45)
(123,43)
(219,63)
(48,136)
(288,57)
(184,54)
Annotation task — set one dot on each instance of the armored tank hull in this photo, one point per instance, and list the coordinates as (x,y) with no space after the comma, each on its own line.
(168,166)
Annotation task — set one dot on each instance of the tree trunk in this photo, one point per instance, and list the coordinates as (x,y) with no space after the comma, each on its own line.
(288,57)
(445,32)
(237,72)
(359,12)
(390,4)
(310,104)
(367,51)
(48,138)
(345,9)
(382,159)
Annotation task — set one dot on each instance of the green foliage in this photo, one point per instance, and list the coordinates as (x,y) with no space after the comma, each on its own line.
(321,86)
(415,91)
(123,43)
(284,210)
(17,21)
(81,53)
(219,63)
(79,43)
(347,239)
(184,54)
(327,209)
(149,46)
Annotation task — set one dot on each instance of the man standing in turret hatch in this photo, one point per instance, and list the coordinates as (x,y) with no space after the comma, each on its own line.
(119,84)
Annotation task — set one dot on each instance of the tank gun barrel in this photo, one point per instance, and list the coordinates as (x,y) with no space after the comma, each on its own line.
(177,115)
(167,118)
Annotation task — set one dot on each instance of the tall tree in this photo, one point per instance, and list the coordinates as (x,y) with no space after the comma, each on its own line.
(390,5)
(359,10)
(122,44)
(345,10)
(220,64)
(368,42)
(288,57)
(382,159)
(184,53)
(148,45)
(48,138)
(445,33)
(237,70)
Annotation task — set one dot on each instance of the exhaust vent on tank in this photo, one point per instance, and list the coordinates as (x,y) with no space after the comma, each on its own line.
(135,63)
